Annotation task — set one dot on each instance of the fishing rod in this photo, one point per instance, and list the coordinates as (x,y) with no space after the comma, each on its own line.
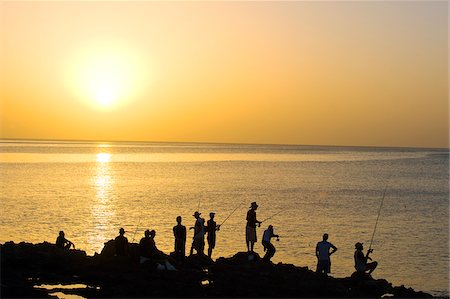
(137,226)
(272,216)
(231,213)
(378,217)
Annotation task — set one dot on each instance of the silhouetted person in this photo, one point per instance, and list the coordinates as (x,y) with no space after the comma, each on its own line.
(323,254)
(149,252)
(147,247)
(211,228)
(121,243)
(198,242)
(179,232)
(62,242)
(361,264)
(268,246)
(250,229)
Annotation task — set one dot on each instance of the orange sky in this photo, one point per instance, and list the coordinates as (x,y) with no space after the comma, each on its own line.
(328,73)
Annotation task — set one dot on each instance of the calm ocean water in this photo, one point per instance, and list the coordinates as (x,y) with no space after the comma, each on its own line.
(90,190)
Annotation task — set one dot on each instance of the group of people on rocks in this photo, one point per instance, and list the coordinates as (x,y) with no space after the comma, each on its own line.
(149,251)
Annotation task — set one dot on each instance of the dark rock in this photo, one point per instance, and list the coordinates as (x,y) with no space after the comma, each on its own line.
(24,265)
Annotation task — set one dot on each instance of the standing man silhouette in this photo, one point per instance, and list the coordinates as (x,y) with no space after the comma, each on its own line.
(250,229)
(179,232)
(121,243)
(211,228)
(323,254)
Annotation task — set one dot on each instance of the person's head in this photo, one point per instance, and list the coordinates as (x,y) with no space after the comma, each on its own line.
(325,237)
(212,215)
(121,231)
(197,214)
(147,233)
(152,233)
(61,233)
(270,227)
(359,246)
(253,205)
(179,219)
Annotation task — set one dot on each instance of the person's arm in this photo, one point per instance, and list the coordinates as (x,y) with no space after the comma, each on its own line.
(71,243)
(334,248)
(317,250)
(369,251)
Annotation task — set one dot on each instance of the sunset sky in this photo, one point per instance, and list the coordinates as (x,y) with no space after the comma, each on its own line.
(319,73)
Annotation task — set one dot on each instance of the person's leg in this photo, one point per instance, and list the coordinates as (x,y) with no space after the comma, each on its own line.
(270,250)
(209,248)
(371,266)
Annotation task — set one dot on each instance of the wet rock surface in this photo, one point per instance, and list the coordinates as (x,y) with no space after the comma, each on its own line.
(104,275)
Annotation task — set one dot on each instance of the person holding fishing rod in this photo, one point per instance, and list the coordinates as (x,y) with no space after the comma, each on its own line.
(198,242)
(211,228)
(268,246)
(250,229)
(361,264)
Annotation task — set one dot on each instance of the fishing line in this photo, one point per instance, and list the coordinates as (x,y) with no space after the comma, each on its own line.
(231,213)
(379,212)
(273,215)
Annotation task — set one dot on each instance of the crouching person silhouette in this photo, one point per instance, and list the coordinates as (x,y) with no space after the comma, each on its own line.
(268,246)
(361,264)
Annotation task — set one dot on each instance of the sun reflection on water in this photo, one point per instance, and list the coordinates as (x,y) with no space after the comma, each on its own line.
(102,210)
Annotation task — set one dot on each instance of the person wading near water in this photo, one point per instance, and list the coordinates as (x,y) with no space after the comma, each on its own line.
(179,232)
(211,228)
(323,254)
(250,229)
(62,242)
(268,246)
(121,243)
(361,264)
(198,242)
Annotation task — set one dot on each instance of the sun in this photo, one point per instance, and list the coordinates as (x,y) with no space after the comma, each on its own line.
(107,75)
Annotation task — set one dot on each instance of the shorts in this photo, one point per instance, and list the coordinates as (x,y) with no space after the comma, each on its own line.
(323,266)
(250,234)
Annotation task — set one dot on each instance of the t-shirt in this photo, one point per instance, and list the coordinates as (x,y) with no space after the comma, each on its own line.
(267,235)
(251,218)
(360,260)
(61,241)
(323,247)
(179,231)
(121,243)
(199,228)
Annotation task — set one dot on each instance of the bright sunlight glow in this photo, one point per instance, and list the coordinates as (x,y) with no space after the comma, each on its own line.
(106,75)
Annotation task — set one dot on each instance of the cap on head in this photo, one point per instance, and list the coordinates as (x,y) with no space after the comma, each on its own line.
(253,205)
(212,214)
(196,214)
(359,245)
(121,230)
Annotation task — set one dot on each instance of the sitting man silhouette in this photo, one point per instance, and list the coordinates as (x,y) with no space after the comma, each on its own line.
(62,242)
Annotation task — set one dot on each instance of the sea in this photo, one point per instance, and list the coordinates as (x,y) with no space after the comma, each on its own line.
(91,189)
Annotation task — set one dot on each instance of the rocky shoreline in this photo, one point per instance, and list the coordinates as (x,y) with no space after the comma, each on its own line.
(26,270)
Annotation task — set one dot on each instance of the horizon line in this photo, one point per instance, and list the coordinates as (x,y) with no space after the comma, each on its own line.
(24,140)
